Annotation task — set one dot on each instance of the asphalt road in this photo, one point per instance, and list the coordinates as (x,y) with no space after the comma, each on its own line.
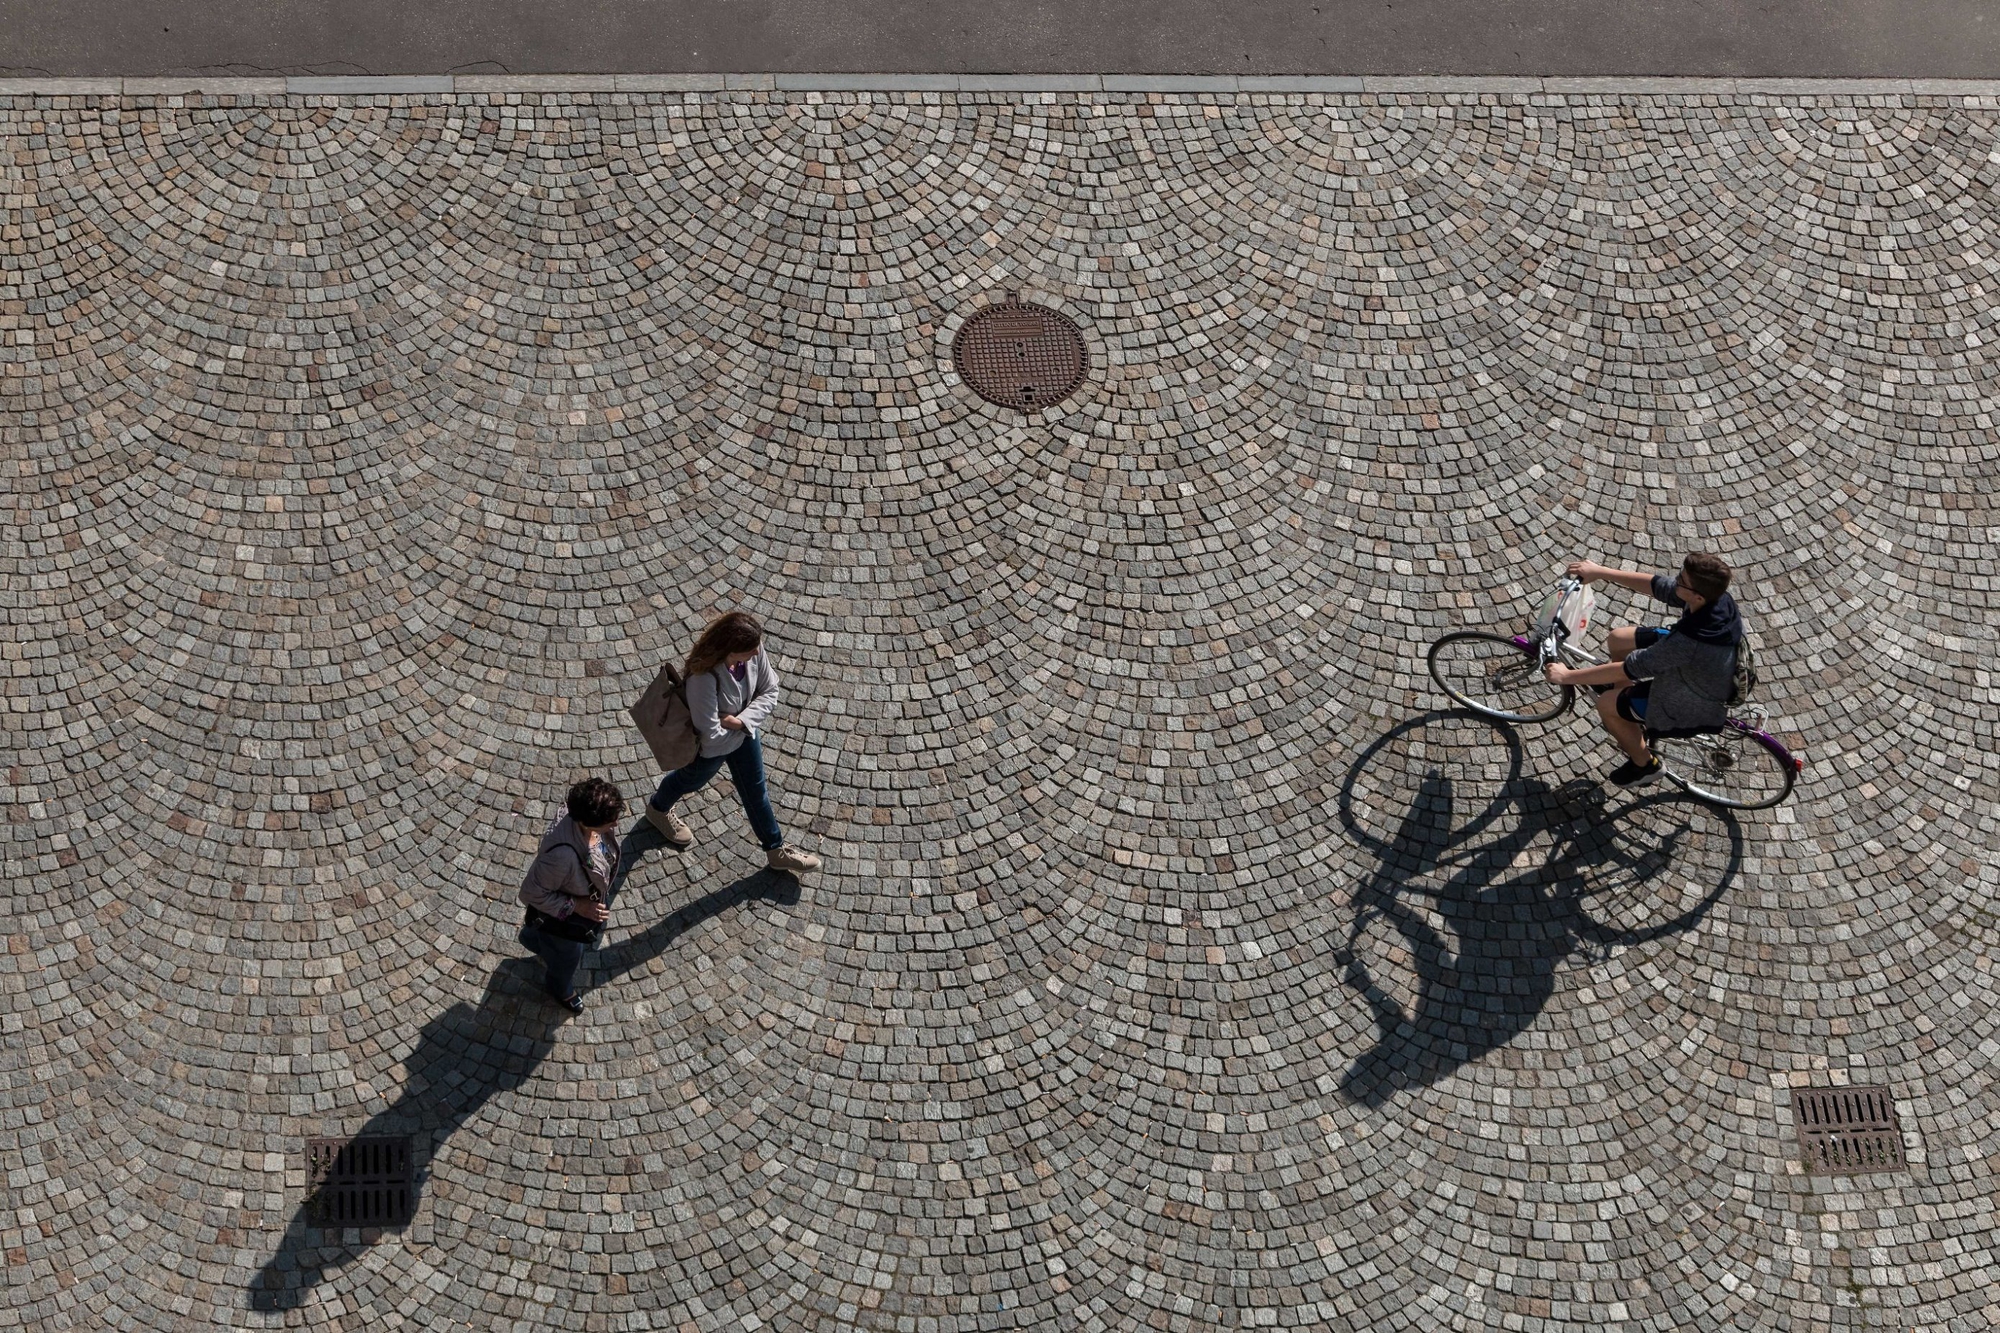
(1855,38)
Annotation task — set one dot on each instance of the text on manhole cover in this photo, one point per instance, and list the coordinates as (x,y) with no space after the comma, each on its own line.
(1020,355)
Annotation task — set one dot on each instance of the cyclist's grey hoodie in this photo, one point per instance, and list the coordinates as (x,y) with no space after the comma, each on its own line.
(1693,668)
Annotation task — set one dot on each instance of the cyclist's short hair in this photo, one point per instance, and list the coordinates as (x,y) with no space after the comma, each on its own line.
(1707,576)
(594,803)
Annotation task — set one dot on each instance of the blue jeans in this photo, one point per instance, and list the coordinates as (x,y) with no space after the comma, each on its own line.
(746,770)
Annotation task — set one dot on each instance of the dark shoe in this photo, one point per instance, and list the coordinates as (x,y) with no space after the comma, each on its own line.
(671,826)
(1629,774)
(574,1003)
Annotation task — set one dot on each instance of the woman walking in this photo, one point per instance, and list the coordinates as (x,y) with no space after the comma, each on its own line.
(568,890)
(731,689)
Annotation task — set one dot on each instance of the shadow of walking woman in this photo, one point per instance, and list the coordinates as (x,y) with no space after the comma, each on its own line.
(463,1058)
(1489,880)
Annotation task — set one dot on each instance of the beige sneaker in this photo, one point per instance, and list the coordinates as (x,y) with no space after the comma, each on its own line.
(792,861)
(671,826)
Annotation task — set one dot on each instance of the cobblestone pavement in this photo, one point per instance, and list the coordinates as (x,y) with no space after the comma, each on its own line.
(1177,963)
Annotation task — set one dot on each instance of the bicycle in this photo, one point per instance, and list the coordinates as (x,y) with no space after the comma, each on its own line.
(1738,765)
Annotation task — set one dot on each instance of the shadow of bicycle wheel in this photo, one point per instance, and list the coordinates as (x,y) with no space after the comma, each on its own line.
(1486,879)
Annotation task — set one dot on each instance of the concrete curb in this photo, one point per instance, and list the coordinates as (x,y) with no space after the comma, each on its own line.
(1221,85)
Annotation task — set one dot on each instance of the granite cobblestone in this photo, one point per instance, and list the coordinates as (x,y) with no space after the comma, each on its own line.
(1178,963)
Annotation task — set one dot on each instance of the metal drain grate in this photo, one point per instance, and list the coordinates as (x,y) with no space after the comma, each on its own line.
(1848,1131)
(364,1182)
(1022,355)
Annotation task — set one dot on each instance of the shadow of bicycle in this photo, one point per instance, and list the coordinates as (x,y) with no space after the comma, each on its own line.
(470,1053)
(1486,880)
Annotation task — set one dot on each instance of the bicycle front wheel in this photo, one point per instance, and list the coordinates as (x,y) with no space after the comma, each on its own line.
(1496,677)
(1737,770)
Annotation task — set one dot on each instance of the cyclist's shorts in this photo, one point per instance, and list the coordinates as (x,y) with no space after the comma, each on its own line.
(1647,637)
(1632,699)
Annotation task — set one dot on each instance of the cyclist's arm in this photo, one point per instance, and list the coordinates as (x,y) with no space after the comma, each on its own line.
(1624,578)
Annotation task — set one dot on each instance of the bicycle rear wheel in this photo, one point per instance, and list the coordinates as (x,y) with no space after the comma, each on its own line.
(1495,676)
(1737,770)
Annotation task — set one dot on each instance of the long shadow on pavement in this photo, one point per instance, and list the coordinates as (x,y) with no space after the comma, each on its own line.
(471,1052)
(1489,880)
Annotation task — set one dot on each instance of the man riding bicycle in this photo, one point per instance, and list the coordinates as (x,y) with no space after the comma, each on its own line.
(1663,679)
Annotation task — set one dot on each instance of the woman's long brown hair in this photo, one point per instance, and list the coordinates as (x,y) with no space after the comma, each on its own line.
(736,632)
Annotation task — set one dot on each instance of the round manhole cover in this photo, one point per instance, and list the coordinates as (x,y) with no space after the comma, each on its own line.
(1018,354)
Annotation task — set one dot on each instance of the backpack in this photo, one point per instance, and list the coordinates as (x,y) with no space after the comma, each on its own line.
(1745,678)
(663,719)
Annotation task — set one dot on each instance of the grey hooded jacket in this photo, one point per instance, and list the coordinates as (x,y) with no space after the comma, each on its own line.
(1691,680)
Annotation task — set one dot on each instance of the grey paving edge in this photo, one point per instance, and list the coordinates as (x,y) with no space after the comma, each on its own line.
(1820,87)
(184,86)
(1223,84)
(1030,83)
(1170,83)
(1299,83)
(1450,84)
(1954,87)
(1614,87)
(668,83)
(866,83)
(534,83)
(397,83)
(61,87)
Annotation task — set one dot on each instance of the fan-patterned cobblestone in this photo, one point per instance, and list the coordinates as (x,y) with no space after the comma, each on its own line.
(1177,963)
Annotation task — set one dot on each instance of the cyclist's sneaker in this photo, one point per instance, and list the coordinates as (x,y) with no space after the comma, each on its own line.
(1629,774)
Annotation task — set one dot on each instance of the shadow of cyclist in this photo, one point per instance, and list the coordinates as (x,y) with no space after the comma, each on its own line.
(1489,880)
(471,1052)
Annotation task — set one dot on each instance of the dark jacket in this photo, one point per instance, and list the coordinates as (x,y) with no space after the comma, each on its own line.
(560,874)
(1692,669)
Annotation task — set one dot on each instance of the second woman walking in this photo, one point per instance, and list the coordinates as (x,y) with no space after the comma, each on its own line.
(732,689)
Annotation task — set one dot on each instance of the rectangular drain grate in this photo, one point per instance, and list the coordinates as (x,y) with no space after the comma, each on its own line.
(365,1182)
(1847,1131)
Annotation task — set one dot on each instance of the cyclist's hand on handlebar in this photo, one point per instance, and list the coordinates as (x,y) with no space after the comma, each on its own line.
(1586,570)
(1557,673)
